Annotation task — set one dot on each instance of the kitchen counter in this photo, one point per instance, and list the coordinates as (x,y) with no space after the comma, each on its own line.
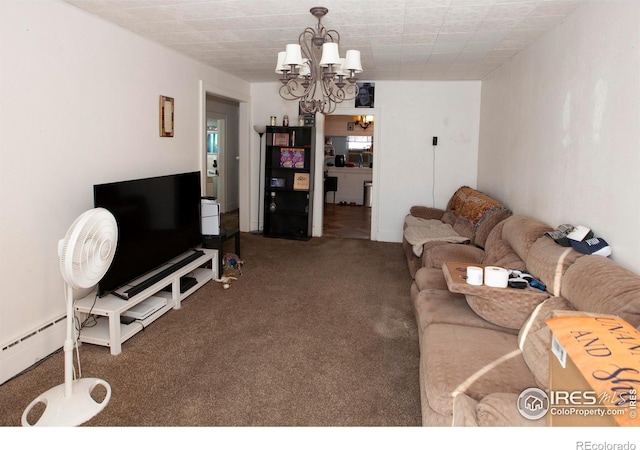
(339,170)
(350,183)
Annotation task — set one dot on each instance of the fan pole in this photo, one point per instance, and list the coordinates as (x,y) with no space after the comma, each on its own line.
(68,346)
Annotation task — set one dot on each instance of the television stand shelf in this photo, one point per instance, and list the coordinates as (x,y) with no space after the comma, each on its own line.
(109,331)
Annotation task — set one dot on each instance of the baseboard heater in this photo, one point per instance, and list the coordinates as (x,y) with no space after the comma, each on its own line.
(21,353)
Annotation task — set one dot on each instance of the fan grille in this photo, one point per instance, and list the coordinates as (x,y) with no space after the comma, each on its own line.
(88,248)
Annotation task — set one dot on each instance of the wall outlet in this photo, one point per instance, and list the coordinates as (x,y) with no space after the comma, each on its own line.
(435,141)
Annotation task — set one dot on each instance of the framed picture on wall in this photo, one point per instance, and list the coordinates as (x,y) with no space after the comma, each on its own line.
(166,116)
(366,95)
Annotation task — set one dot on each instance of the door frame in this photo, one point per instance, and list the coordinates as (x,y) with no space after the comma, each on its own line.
(207,87)
(377,160)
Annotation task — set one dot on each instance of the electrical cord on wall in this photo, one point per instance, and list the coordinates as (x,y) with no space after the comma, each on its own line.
(433,175)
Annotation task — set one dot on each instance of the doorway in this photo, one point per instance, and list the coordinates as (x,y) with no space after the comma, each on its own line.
(222,156)
(348,185)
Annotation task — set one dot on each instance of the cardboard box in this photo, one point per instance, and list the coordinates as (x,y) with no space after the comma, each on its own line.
(594,371)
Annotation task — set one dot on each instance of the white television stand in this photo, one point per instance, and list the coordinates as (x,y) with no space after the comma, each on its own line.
(110,332)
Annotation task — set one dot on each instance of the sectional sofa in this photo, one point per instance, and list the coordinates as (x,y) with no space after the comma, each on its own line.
(479,350)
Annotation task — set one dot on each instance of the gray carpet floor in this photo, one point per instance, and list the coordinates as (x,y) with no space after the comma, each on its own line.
(315,333)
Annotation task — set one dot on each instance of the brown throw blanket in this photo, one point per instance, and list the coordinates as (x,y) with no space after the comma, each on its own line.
(420,231)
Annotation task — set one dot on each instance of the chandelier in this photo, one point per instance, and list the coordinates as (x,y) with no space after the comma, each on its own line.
(364,121)
(312,71)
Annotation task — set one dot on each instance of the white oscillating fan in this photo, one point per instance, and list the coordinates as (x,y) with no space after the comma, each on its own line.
(86,252)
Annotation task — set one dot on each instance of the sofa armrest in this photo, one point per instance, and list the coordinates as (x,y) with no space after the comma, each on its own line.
(426,212)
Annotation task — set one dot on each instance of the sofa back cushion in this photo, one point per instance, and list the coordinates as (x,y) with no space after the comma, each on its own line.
(473,214)
(521,232)
(498,252)
(548,262)
(597,284)
(509,242)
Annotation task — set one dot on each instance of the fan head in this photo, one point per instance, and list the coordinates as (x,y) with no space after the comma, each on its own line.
(88,248)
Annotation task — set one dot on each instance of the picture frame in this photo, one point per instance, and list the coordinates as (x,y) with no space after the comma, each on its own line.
(281,139)
(366,95)
(277,182)
(167,116)
(301,181)
(292,158)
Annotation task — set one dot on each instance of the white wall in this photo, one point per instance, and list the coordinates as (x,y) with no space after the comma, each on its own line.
(408,115)
(79,106)
(412,113)
(560,127)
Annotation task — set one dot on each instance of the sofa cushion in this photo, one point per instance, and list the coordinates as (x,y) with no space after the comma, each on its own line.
(471,204)
(464,411)
(418,232)
(534,338)
(476,361)
(548,261)
(471,208)
(441,306)
(521,232)
(426,212)
(498,252)
(449,217)
(430,278)
(597,284)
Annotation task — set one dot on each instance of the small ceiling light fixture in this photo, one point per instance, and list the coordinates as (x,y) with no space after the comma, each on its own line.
(312,71)
(364,121)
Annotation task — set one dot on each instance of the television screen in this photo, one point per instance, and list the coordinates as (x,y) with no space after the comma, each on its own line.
(158,219)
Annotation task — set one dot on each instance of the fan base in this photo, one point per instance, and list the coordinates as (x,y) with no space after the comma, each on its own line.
(72,410)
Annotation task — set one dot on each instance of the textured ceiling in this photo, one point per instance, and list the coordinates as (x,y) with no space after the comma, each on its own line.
(398,39)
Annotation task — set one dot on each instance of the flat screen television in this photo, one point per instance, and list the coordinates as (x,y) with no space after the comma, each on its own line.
(158,219)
